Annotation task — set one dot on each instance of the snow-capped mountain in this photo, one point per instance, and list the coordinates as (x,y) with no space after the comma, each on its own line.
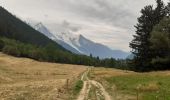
(41,28)
(80,45)
(58,38)
(100,50)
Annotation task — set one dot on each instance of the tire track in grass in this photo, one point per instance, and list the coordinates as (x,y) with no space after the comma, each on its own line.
(87,84)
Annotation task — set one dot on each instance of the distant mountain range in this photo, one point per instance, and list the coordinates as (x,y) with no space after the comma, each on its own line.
(79,44)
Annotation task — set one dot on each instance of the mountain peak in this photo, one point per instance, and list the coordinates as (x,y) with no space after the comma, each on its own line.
(41,28)
(81,37)
(80,44)
(40,25)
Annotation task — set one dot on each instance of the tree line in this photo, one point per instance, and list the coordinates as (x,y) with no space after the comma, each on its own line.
(50,54)
(20,40)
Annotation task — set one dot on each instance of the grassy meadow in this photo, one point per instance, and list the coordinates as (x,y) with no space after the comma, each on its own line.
(26,79)
(127,85)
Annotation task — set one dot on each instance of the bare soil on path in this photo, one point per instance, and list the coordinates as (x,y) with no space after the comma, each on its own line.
(100,91)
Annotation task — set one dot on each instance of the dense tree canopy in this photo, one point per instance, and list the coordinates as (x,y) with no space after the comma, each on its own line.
(140,44)
(50,54)
(160,39)
(12,27)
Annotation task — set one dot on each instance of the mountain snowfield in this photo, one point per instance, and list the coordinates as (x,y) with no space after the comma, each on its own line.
(79,44)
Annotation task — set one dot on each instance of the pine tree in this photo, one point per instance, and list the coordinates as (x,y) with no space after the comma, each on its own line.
(160,11)
(140,44)
(160,39)
(168,9)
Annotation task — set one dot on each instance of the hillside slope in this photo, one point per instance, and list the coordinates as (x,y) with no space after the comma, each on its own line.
(80,45)
(12,27)
(44,30)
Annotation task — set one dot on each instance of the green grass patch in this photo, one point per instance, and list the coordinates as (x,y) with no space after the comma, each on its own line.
(75,90)
(92,94)
(78,86)
(149,86)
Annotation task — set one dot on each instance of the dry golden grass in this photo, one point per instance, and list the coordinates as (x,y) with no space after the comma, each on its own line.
(123,85)
(148,87)
(109,72)
(100,74)
(23,78)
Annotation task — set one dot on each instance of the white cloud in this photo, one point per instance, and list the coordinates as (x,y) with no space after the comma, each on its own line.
(109,22)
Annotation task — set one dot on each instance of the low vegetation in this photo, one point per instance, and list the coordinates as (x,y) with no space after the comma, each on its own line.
(50,54)
(77,87)
(125,85)
(148,87)
(92,93)
(26,79)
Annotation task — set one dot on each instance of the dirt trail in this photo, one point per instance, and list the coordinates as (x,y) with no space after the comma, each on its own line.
(87,86)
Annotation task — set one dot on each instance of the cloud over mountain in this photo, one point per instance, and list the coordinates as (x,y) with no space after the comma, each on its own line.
(109,22)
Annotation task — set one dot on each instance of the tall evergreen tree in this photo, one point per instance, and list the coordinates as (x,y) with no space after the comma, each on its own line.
(140,44)
(160,11)
(168,9)
(160,39)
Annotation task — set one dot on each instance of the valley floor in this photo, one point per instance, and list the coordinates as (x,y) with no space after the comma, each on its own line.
(27,79)
(128,85)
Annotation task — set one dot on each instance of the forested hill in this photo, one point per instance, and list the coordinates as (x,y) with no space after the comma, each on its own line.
(20,40)
(13,28)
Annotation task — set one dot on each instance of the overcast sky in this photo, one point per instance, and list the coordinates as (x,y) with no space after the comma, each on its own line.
(109,22)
